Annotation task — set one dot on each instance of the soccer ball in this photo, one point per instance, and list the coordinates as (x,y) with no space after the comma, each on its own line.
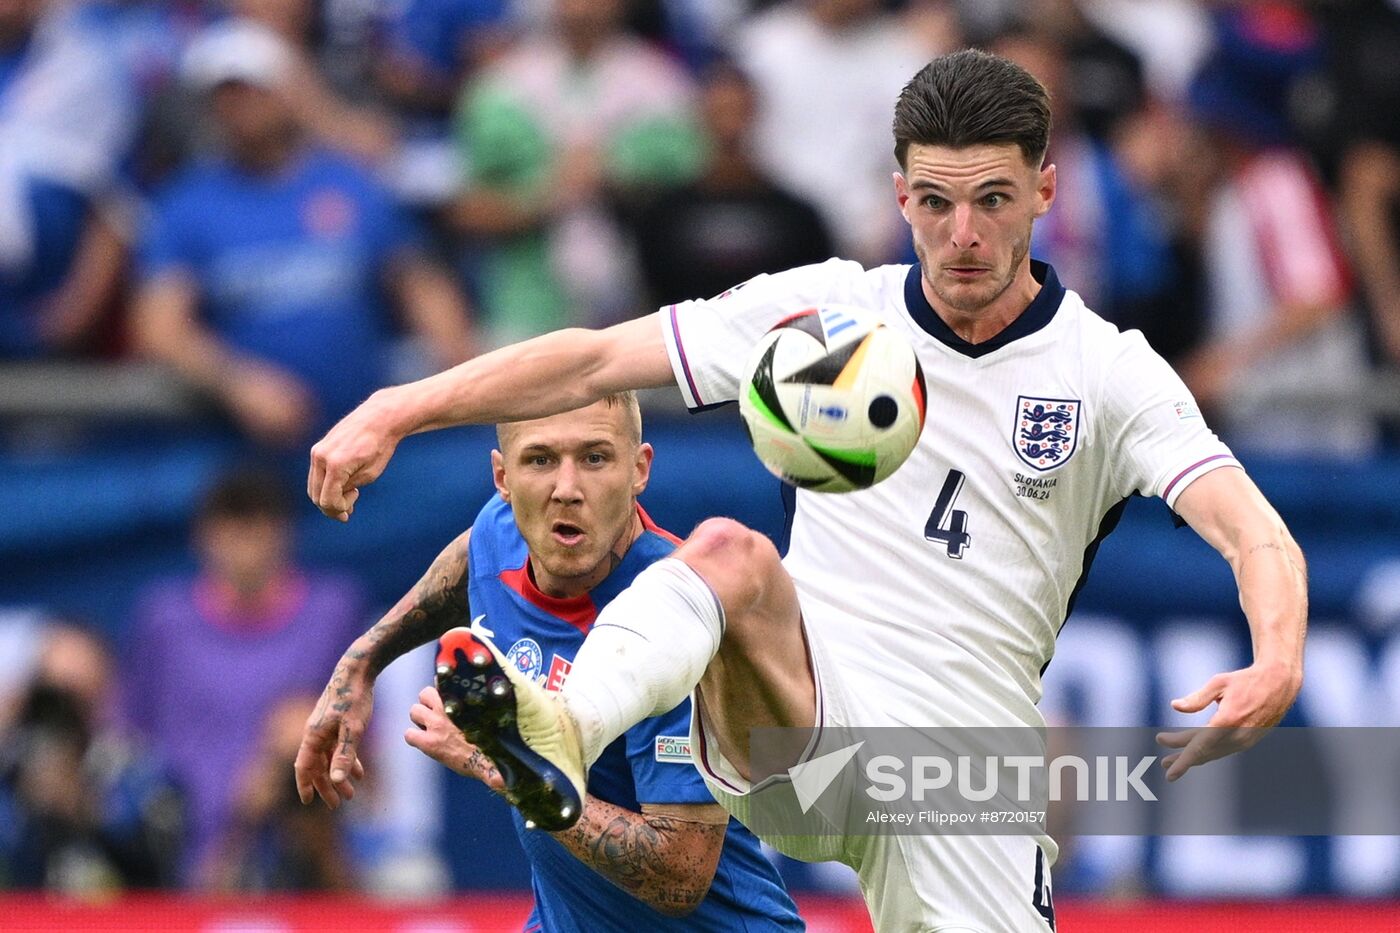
(834,400)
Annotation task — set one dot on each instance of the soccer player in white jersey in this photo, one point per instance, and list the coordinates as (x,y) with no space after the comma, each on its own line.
(933,598)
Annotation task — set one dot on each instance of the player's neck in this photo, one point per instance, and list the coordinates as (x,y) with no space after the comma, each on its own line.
(982,324)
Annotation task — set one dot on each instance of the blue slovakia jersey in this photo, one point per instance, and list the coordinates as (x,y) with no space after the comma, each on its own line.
(650,763)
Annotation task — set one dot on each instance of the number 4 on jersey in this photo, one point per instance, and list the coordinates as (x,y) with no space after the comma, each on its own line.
(946,524)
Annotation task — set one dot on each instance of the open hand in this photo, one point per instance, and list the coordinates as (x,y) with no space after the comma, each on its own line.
(328,762)
(1251,701)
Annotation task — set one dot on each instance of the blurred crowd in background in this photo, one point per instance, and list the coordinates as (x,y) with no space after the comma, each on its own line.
(234,188)
(285,204)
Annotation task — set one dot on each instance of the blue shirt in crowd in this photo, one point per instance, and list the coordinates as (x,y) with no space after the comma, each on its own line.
(649,764)
(289,266)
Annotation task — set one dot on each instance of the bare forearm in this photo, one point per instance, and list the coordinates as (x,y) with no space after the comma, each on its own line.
(522,381)
(435,311)
(664,862)
(165,331)
(1376,253)
(327,762)
(1232,515)
(1273,585)
(555,372)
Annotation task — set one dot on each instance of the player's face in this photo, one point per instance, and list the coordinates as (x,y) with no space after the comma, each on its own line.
(971,211)
(572,481)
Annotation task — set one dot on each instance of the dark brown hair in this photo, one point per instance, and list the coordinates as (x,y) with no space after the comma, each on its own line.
(973,98)
(247,492)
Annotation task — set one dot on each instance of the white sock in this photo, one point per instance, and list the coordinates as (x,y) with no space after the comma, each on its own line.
(645,654)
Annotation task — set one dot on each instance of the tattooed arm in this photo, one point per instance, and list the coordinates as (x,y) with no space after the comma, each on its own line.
(664,856)
(1232,515)
(327,762)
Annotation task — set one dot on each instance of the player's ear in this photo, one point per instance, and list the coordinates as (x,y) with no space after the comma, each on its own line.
(901,190)
(498,474)
(1045,189)
(642,476)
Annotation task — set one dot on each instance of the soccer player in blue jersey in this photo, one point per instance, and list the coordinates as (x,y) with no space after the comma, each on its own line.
(563,537)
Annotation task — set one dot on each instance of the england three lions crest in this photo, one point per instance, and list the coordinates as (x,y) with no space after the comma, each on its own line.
(1046,431)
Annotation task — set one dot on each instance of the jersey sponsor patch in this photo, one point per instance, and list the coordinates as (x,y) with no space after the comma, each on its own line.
(673,748)
(1046,430)
(527,657)
(558,671)
(1186,408)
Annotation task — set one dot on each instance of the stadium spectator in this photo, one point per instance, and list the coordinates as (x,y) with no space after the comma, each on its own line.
(1102,78)
(66,120)
(696,30)
(259,262)
(354,128)
(826,71)
(271,842)
(1109,238)
(212,655)
(567,127)
(82,811)
(1277,317)
(1170,37)
(1366,65)
(326,87)
(734,222)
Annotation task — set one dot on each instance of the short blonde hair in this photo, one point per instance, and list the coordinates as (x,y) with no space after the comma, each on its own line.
(627,400)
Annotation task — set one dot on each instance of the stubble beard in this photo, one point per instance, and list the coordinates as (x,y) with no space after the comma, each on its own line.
(969,302)
(567,566)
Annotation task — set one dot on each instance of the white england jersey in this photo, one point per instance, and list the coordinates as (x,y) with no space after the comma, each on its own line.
(952,577)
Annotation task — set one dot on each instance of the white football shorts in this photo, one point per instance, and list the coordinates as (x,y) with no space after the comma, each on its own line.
(911,883)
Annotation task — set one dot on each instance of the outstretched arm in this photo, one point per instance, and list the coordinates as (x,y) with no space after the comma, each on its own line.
(328,761)
(1232,515)
(557,372)
(665,856)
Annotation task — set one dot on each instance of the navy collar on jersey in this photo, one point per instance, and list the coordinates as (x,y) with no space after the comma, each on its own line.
(1039,313)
